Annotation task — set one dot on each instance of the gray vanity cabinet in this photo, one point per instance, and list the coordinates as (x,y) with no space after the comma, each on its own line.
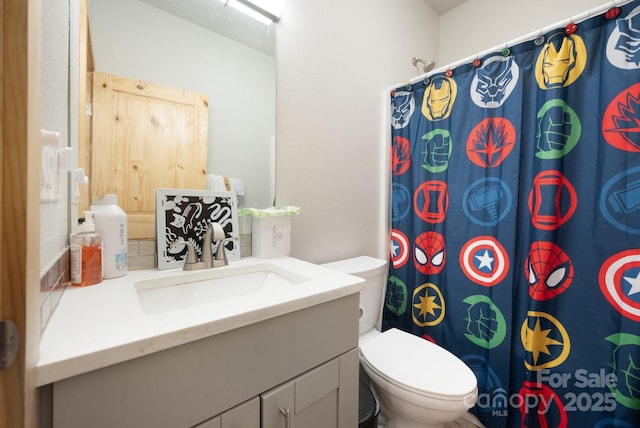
(309,401)
(305,361)
(245,415)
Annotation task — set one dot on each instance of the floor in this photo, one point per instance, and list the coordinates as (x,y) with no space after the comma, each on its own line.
(466,421)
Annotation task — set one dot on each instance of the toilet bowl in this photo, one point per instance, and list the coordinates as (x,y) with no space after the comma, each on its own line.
(419,384)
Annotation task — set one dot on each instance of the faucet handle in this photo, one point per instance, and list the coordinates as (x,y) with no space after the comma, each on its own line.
(221,255)
(218,232)
(215,232)
(191,252)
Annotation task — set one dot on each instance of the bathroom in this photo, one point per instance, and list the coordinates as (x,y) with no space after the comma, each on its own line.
(308,146)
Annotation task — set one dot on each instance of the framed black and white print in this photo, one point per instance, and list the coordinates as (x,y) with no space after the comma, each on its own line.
(184,214)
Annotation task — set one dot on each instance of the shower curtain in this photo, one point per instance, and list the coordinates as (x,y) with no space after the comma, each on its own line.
(515,236)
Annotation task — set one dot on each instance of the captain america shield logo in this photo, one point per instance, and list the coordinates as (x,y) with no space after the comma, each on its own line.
(484,261)
(619,280)
(399,248)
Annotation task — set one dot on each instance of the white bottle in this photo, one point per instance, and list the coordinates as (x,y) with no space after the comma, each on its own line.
(111,223)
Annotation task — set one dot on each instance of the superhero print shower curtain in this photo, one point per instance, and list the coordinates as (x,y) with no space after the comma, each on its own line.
(515,238)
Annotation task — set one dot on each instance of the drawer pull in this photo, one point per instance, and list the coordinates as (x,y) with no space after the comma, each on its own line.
(287,417)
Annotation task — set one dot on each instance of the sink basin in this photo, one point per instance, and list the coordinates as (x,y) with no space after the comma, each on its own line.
(213,285)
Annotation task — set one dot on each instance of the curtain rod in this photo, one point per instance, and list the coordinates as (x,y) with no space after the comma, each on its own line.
(577,18)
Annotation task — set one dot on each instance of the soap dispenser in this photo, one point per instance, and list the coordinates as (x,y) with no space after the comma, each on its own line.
(86,254)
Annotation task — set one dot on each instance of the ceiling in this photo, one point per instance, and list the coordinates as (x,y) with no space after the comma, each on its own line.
(224,20)
(214,16)
(444,6)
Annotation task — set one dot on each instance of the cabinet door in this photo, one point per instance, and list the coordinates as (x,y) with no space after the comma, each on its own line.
(246,415)
(145,137)
(209,423)
(309,401)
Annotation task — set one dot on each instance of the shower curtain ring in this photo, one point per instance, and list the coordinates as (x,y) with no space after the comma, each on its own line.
(571,28)
(613,12)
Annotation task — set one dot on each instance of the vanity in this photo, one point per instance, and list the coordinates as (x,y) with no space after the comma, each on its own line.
(259,343)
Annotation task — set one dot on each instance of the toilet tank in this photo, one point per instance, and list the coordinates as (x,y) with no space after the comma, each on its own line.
(374,272)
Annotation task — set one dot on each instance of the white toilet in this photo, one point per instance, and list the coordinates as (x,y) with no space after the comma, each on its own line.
(418,383)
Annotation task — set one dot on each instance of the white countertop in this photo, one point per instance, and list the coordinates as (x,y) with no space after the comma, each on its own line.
(104,324)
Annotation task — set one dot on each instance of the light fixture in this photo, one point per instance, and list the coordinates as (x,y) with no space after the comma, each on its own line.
(265,11)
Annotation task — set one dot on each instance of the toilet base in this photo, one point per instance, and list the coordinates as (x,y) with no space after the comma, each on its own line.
(398,422)
(467,421)
(401,413)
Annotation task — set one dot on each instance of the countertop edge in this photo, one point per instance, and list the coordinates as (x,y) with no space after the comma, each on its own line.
(48,373)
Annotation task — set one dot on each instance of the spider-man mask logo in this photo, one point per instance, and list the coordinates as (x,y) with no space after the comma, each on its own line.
(429,254)
(548,269)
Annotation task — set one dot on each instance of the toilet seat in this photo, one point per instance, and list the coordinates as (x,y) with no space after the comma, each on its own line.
(395,356)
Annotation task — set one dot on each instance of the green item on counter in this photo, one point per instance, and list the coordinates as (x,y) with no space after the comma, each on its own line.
(269,212)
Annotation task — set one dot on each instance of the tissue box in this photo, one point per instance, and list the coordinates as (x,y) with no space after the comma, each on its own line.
(270,236)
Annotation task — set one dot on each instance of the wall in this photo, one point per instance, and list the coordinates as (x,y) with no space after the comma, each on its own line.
(135,40)
(334,69)
(338,66)
(336,61)
(54,108)
(478,25)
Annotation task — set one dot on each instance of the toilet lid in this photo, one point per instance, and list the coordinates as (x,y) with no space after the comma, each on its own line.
(415,363)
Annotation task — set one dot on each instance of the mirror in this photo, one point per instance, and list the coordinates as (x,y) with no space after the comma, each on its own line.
(205,47)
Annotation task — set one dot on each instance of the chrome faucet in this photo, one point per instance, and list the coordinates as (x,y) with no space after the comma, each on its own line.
(215,233)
